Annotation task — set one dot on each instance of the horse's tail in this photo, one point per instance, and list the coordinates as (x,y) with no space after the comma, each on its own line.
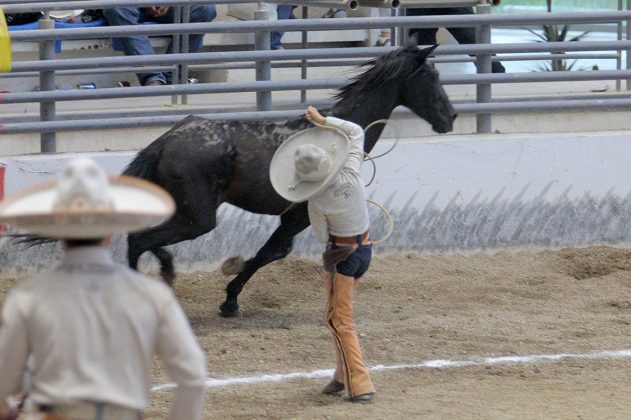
(29,240)
(146,161)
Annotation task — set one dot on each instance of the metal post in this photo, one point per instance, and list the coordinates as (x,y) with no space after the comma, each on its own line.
(393,30)
(402,32)
(263,67)
(47,110)
(303,62)
(186,18)
(176,40)
(627,51)
(619,26)
(483,65)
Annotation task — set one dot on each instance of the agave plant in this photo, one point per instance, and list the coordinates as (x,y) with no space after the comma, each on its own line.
(556,33)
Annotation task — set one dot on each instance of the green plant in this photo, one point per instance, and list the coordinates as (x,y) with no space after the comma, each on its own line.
(556,33)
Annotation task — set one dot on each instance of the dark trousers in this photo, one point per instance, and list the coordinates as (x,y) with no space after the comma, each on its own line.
(427,36)
(356,264)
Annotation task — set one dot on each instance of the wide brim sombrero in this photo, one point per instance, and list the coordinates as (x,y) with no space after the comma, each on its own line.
(136,205)
(283,170)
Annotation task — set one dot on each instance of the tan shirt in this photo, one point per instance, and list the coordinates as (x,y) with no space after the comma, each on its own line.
(341,208)
(92,327)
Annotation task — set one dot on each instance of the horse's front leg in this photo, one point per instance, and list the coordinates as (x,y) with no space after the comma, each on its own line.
(277,246)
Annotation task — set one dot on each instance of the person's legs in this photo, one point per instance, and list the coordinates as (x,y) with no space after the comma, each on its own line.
(350,370)
(133,45)
(200,13)
(283,11)
(337,384)
(354,373)
(467,35)
(424,36)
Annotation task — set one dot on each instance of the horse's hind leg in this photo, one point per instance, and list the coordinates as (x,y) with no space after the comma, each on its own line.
(194,217)
(136,246)
(277,246)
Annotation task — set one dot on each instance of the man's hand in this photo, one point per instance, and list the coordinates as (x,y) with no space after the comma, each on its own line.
(156,12)
(312,115)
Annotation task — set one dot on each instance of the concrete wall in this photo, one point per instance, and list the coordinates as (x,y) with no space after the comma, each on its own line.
(448,193)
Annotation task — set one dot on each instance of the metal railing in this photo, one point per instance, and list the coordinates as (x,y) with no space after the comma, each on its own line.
(262,59)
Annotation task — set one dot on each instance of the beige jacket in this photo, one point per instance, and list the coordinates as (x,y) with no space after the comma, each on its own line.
(341,208)
(92,327)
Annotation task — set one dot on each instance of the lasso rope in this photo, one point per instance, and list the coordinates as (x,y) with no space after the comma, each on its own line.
(372,158)
(388,217)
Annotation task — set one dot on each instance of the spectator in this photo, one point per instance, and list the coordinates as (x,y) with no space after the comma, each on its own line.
(325,171)
(283,11)
(427,36)
(91,326)
(140,45)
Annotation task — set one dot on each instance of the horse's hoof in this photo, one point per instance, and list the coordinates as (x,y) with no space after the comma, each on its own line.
(229,310)
(232,266)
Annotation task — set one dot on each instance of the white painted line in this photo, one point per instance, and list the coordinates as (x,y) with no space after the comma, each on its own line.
(434,364)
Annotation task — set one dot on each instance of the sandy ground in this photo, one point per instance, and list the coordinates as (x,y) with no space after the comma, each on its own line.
(411,309)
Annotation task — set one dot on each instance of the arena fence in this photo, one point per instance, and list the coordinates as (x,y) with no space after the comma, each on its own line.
(262,60)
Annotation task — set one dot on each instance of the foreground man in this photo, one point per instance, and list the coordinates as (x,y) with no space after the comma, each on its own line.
(90,327)
(323,167)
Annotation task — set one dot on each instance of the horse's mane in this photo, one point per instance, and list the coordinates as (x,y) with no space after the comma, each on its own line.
(384,68)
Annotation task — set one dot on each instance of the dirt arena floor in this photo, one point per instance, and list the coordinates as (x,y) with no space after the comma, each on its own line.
(411,309)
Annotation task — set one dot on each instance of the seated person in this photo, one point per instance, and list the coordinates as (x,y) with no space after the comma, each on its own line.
(140,45)
(427,36)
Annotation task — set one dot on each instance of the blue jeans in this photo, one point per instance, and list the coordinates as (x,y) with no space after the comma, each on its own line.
(140,45)
(356,264)
(284,11)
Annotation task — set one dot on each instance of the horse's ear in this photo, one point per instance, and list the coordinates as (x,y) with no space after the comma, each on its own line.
(426,52)
(412,40)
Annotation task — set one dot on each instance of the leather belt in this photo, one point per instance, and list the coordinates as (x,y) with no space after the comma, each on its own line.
(362,239)
(85,410)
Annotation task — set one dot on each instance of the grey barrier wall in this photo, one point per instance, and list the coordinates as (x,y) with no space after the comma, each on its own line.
(451,194)
(484,105)
(444,194)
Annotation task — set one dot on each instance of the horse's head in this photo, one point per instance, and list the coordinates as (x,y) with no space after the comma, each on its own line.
(423,93)
(399,77)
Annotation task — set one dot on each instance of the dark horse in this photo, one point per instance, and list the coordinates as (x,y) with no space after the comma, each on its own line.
(205,163)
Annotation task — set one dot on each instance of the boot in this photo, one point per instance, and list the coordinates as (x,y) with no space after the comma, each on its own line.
(339,319)
(332,388)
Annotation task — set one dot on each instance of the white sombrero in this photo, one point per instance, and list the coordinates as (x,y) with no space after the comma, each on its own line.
(304,165)
(84,203)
